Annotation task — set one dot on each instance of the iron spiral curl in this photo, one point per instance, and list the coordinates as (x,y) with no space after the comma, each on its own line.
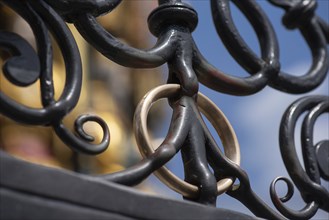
(42,18)
(264,71)
(176,47)
(307,181)
(305,213)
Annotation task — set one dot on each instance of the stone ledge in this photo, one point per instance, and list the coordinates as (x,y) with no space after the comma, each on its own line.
(30,191)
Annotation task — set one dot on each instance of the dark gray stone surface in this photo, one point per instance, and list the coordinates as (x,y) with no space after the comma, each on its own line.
(30,191)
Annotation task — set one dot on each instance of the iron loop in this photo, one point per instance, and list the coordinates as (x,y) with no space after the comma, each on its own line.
(268,63)
(300,14)
(262,69)
(213,114)
(305,213)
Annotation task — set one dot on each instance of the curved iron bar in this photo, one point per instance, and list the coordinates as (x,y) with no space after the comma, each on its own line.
(308,182)
(71,94)
(243,192)
(107,44)
(262,70)
(175,138)
(325,28)
(53,112)
(223,167)
(172,23)
(302,8)
(70,8)
(301,15)
(214,115)
(305,213)
(19,112)
(181,70)
(308,149)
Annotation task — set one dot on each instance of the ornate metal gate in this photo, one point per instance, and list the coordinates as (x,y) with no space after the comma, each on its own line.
(32,192)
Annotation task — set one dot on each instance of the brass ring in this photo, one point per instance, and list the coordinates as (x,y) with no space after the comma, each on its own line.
(212,113)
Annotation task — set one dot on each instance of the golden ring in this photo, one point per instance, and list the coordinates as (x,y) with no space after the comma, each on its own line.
(212,113)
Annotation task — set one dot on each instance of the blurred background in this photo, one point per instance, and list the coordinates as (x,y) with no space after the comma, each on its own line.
(112,92)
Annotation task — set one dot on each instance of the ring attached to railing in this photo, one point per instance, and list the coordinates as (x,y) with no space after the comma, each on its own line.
(213,114)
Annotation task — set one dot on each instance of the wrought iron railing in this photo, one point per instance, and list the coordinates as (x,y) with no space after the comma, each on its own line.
(172,22)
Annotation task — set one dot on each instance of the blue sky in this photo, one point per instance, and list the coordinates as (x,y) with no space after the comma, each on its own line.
(256,118)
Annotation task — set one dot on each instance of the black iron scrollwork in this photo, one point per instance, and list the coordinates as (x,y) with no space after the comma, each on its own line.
(172,23)
(300,14)
(42,18)
(308,183)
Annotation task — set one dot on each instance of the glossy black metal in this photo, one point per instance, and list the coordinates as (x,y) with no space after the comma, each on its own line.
(307,182)
(300,14)
(24,57)
(321,150)
(172,22)
(42,18)
(262,70)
